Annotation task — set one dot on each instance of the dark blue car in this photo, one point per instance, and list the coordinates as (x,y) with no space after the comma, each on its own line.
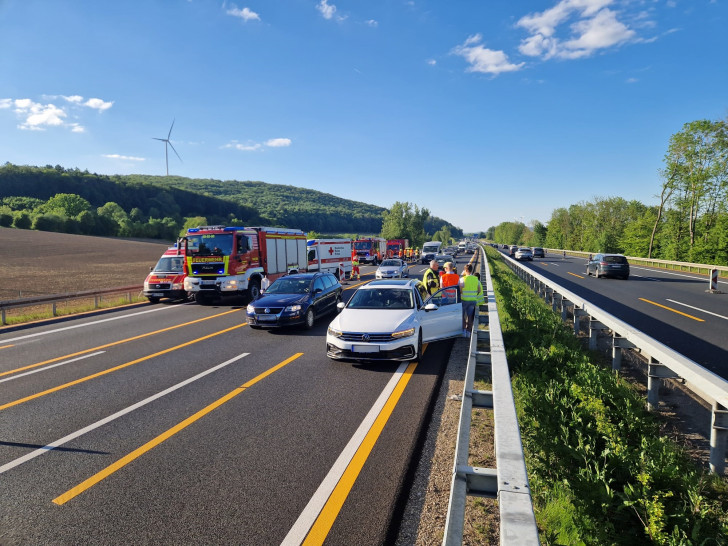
(295,299)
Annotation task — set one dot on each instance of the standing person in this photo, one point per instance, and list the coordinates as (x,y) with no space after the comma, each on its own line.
(472,292)
(431,279)
(355,265)
(449,277)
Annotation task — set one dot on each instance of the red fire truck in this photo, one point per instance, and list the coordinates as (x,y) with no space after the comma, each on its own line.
(167,278)
(227,261)
(370,249)
(394,246)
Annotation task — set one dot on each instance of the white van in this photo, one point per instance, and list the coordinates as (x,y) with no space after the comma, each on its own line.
(429,250)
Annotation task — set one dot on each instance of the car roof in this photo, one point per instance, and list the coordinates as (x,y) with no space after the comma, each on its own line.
(303,275)
(391,283)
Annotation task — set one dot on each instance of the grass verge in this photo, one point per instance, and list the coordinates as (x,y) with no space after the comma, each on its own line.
(76,306)
(600,473)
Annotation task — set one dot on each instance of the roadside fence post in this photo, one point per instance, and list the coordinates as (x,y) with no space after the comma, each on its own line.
(718,439)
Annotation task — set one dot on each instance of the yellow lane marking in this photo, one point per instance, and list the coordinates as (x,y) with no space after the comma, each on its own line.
(575,275)
(109,470)
(6,347)
(673,310)
(113,343)
(116,368)
(331,509)
(356,285)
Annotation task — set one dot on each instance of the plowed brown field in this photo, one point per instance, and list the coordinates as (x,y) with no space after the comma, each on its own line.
(39,262)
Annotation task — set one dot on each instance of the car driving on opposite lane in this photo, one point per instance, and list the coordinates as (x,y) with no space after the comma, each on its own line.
(524,253)
(608,265)
(390,320)
(295,299)
(392,268)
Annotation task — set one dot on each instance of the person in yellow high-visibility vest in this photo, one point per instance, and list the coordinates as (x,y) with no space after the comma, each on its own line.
(472,293)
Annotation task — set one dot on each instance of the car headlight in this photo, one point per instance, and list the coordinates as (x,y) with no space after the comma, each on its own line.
(250,309)
(293,309)
(403,333)
(333,332)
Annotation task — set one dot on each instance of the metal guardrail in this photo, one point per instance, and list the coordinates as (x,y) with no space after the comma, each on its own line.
(54,299)
(508,482)
(681,266)
(663,362)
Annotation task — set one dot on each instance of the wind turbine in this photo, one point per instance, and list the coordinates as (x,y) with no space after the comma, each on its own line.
(167,142)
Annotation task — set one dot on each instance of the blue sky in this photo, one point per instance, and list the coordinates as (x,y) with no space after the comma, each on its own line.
(480,111)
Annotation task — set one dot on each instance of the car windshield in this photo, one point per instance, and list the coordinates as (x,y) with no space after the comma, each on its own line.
(525,249)
(289,285)
(390,263)
(210,244)
(382,298)
(170,264)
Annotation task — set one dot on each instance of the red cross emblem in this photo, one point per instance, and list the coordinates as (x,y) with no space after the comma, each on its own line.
(331,250)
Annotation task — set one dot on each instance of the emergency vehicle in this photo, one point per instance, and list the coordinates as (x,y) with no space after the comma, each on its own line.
(327,255)
(228,261)
(167,278)
(370,249)
(394,246)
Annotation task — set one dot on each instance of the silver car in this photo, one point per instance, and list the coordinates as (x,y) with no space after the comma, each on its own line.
(392,268)
(524,253)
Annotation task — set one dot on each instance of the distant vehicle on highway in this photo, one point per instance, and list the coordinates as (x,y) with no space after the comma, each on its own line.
(512,250)
(442,259)
(295,299)
(390,320)
(539,252)
(524,253)
(393,268)
(608,265)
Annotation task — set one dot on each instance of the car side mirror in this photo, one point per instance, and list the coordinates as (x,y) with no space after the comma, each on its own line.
(151,268)
(317,291)
(340,305)
(431,307)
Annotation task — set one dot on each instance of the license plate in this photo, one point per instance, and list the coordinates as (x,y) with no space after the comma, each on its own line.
(156,294)
(365,348)
(266,318)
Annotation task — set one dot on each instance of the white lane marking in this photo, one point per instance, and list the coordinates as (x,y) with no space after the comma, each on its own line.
(698,309)
(51,366)
(305,521)
(40,451)
(65,328)
(668,272)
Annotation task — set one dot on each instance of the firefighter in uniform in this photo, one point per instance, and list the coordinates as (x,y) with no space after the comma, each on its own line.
(355,265)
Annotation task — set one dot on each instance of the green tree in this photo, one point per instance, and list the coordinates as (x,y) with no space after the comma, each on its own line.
(22,220)
(68,204)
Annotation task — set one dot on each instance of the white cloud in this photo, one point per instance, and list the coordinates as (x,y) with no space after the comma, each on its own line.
(593,26)
(372,23)
(38,116)
(98,104)
(484,60)
(326,9)
(632,80)
(257,146)
(431,62)
(246,14)
(278,142)
(124,157)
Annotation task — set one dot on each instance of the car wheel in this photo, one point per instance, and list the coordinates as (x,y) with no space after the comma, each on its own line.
(418,356)
(596,273)
(310,319)
(153,300)
(626,277)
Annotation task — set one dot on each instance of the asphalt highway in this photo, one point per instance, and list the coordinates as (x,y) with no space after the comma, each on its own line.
(671,306)
(178,424)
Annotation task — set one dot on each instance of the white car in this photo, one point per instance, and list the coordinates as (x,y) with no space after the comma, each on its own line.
(390,320)
(524,253)
(392,268)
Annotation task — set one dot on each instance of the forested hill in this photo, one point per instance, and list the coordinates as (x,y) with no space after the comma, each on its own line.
(282,205)
(179,198)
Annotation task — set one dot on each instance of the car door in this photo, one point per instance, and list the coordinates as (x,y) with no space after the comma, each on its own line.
(445,321)
(319,296)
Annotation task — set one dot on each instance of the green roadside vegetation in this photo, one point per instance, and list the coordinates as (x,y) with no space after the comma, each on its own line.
(23,315)
(600,472)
